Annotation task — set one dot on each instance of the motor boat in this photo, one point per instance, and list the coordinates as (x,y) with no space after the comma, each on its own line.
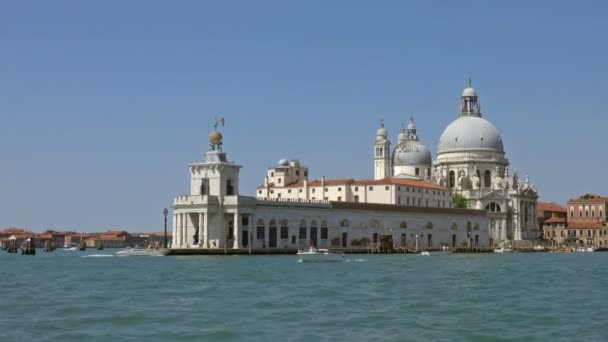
(142,252)
(425,253)
(313,254)
(503,250)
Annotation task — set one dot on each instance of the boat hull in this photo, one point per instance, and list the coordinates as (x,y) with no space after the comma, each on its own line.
(141,252)
(320,257)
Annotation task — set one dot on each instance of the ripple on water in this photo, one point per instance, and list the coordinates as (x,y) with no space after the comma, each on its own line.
(535,297)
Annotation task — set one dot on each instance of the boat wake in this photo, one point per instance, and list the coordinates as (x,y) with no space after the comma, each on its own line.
(98,256)
(355,260)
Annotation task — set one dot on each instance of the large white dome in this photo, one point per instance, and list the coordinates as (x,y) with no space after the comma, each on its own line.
(412,153)
(470,133)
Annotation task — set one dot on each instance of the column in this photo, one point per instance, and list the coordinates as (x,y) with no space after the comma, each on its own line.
(206,229)
(174,231)
(187,234)
(201,237)
(237,231)
(180,225)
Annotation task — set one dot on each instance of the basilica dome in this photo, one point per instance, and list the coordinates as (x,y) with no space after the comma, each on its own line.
(470,133)
(411,153)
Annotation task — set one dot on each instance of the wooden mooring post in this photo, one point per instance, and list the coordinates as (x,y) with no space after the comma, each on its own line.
(29,247)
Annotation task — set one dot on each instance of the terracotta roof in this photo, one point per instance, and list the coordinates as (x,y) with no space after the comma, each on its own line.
(549,206)
(585,225)
(349,181)
(400,181)
(589,198)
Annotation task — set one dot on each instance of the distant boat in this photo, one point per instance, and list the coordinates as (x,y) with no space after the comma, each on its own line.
(503,250)
(425,253)
(141,252)
(319,255)
(70,249)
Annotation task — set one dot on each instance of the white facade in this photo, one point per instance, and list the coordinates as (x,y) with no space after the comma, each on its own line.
(214,216)
(471,162)
(407,187)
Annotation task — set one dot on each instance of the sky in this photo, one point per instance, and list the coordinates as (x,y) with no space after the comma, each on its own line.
(104,103)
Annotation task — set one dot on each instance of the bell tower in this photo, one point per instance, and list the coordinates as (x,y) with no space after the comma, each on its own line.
(382,149)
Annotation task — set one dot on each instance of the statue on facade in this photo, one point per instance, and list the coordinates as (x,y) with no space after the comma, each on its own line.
(475,179)
(439,177)
(497,181)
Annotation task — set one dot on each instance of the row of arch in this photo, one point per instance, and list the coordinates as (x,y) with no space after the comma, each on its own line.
(487,178)
(285,223)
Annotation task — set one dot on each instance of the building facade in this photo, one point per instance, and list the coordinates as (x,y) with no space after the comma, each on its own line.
(552,222)
(587,224)
(287,214)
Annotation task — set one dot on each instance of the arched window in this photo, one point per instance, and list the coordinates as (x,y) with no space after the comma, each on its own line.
(493,208)
(344,223)
(429,225)
(356,198)
(487,179)
(403,225)
(302,231)
(284,229)
(452,179)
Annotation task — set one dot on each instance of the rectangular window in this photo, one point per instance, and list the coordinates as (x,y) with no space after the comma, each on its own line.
(260,233)
(356,188)
(302,233)
(289,191)
(324,233)
(297,172)
(417,172)
(300,190)
(375,238)
(313,190)
(339,199)
(293,239)
(339,189)
(371,188)
(284,233)
(386,187)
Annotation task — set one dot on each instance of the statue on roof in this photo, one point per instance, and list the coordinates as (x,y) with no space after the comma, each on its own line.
(215,138)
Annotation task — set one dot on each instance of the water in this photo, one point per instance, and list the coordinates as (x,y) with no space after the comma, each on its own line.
(63,296)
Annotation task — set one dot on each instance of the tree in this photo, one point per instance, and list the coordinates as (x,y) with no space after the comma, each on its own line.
(460,202)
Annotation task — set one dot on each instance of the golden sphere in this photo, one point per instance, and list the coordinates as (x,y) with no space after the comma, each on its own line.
(215,138)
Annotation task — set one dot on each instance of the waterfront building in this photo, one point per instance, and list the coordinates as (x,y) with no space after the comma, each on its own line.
(288,214)
(587,224)
(552,222)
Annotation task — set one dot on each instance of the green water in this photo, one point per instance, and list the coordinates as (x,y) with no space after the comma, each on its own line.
(64,296)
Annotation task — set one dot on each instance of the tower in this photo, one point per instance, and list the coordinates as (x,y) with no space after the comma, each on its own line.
(382,150)
(214,175)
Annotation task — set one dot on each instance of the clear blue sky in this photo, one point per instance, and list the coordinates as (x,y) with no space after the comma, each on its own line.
(104,103)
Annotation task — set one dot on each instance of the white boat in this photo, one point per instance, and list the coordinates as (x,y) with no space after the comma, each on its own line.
(69,249)
(142,252)
(319,255)
(584,249)
(503,250)
(425,253)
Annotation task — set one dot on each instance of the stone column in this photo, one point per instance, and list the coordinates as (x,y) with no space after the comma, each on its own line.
(206,229)
(236,231)
(201,238)
(180,225)
(174,231)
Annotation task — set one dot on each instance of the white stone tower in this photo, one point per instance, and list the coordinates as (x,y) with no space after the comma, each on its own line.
(382,151)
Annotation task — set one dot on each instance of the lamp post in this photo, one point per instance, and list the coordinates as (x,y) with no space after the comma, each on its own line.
(165,213)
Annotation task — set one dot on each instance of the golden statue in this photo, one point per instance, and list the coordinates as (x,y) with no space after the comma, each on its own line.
(215,138)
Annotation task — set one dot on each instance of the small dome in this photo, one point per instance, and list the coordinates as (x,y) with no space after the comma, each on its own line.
(283,162)
(411,152)
(382,134)
(470,133)
(469,91)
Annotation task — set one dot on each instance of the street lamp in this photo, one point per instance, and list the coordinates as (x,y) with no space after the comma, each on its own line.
(165,213)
